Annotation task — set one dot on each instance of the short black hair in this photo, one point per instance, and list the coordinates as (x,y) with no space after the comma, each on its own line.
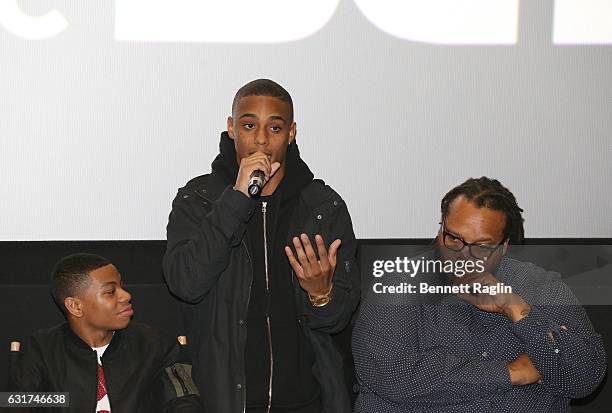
(263,87)
(490,193)
(70,276)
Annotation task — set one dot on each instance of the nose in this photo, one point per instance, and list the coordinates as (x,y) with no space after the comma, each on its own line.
(125,296)
(261,137)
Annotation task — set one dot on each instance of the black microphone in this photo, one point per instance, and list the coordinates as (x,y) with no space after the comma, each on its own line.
(256,183)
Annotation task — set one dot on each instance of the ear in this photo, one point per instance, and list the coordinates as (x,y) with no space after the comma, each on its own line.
(505,247)
(292,132)
(74,306)
(440,229)
(230,127)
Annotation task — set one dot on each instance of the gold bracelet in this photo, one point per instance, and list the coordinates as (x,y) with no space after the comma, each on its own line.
(321,300)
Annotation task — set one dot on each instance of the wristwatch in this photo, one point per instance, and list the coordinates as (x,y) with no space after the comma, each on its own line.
(321,300)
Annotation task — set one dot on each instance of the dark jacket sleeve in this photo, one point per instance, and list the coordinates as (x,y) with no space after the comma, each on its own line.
(174,386)
(336,315)
(26,371)
(562,344)
(201,234)
(391,362)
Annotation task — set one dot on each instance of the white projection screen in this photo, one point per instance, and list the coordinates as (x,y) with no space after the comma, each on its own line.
(108,107)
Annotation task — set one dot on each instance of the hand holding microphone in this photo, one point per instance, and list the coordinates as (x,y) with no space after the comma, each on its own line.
(255,171)
(256,182)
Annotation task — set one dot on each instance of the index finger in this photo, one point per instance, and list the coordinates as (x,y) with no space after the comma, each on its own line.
(297,268)
(467,279)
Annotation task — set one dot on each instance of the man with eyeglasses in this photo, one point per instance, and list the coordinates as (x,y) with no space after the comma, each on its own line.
(529,350)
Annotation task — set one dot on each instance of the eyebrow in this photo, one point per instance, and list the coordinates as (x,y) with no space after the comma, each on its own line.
(273,117)
(463,238)
(108,283)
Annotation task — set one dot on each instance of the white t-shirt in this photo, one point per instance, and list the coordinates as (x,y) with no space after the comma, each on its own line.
(103,403)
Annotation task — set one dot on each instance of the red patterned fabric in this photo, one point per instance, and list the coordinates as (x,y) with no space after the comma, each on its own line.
(101,387)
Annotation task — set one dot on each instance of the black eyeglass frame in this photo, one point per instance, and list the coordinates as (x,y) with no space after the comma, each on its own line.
(469,245)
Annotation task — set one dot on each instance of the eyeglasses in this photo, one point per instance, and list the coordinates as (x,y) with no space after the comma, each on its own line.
(478,251)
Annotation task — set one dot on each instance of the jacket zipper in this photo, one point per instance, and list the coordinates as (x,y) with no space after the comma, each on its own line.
(264,206)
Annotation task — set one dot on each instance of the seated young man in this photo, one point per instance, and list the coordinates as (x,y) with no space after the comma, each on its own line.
(104,361)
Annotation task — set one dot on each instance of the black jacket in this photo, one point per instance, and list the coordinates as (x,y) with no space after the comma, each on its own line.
(143,371)
(207,266)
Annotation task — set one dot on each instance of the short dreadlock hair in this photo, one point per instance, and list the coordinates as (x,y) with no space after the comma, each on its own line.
(490,193)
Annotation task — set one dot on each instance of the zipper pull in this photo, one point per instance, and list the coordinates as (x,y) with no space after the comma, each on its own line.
(264,206)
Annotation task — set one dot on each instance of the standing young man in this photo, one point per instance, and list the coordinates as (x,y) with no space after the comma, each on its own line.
(264,281)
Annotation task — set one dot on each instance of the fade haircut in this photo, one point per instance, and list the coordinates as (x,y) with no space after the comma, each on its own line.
(263,87)
(70,276)
(490,193)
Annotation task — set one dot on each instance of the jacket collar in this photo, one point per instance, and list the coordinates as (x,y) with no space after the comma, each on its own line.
(77,344)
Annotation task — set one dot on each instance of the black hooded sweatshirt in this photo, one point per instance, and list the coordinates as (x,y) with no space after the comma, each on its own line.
(294,386)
